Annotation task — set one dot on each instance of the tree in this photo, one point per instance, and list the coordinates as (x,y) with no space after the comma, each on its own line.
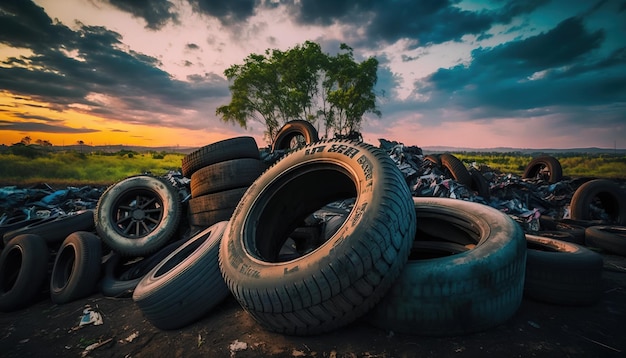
(26,140)
(301,83)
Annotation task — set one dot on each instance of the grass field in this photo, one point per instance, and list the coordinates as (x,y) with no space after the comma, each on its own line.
(26,166)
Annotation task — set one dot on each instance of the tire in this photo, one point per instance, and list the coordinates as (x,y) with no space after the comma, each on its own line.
(341,279)
(76,267)
(185,285)
(120,279)
(300,131)
(23,271)
(562,273)
(609,238)
(602,193)
(14,223)
(545,167)
(138,215)
(559,235)
(227,175)
(456,169)
(209,209)
(55,229)
(468,292)
(232,148)
(433,158)
(479,184)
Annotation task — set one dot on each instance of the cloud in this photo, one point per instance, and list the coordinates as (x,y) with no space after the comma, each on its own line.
(41,127)
(228,12)
(559,68)
(90,70)
(156,13)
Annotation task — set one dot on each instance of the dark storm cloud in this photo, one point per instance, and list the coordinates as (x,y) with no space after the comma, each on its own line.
(425,21)
(41,127)
(228,12)
(156,13)
(558,68)
(97,65)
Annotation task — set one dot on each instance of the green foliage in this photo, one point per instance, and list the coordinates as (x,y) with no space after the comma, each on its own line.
(77,168)
(573,165)
(301,83)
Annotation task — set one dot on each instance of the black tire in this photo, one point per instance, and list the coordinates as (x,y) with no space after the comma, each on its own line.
(562,273)
(456,169)
(603,193)
(185,285)
(138,215)
(299,131)
(343,278)
(56,228)
(230,174)
(121,278)
(544,167)
(15,222)
(23,271)
(232,148)
(459,294)
(480,185)
(610,238)
(209,209)
(76,267)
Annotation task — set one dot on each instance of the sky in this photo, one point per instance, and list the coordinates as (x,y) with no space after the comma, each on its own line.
(471,74)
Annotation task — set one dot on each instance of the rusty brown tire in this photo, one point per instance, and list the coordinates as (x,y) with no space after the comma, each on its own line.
(456,169)
(562,272)
(295,134)
(474,287)
(341,279)
(545,167)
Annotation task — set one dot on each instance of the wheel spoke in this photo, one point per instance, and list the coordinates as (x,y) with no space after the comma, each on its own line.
(143,223)
(124,207)
(148,202)
(137,227)
(152,219)
(150,211)
(122,219)
(128,227)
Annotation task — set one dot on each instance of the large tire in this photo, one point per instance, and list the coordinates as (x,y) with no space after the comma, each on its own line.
(76,267)
(604,193)
(470,291)
(562,273)
(232,148)
(55,229)
(15,222)
(545,167)
(456,169)
(300,131)
(23,271)
(185,285)
(231,174)
(610,238)
(138,215)
(341,279)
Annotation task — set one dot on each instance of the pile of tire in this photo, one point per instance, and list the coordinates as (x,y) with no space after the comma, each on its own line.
(220,174)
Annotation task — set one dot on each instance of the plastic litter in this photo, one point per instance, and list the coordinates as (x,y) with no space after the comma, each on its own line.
(90,317)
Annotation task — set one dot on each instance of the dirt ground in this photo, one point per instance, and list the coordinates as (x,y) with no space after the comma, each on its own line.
(536,330)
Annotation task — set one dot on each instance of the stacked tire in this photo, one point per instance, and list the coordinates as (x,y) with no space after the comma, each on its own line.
(220,173)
